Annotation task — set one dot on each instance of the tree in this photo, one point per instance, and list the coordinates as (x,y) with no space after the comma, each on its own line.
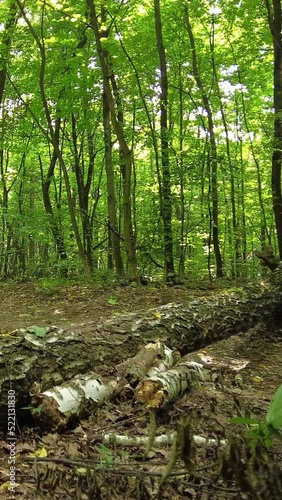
(114,237)
(165,187)
(212,154)
(275,24)
(125,150)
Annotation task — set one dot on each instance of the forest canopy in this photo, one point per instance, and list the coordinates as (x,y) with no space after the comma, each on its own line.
(139,137)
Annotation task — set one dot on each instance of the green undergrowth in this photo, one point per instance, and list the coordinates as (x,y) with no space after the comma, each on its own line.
(107,280)
(51,285)
(264,431)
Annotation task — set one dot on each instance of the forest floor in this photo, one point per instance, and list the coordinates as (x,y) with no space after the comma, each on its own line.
(257,355)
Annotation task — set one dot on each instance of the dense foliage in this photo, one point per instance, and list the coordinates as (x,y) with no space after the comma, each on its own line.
(135,137)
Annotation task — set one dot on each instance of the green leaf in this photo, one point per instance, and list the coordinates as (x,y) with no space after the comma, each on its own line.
(112,300)
(274,414)
(81,471)
(274,432)
(244,420)
(39,331)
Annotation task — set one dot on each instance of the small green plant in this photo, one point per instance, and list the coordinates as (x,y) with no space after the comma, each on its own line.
(39,331)
(32,410)
(104,278)
(106,457)
(264,432)
(112,300)
(50,286)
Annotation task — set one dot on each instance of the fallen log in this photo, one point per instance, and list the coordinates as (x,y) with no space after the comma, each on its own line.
(51,356)
(188,327)
(267,257)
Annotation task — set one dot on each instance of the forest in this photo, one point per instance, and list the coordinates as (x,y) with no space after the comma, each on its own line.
(141,144)
(139,138)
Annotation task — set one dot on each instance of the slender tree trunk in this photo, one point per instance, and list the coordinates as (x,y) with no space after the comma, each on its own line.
(21,241)
(213,148)
(32,207)
(110,263)
(6,228)
(241,192)
(83,193)
(235,240)
(257,164)
(166,177)
(5,42)
(275,23)
(126,152)
(45,185)
(114,239)
(150,120)
(183,244)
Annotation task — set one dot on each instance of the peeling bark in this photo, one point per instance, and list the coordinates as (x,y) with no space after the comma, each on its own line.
(164,439)
(153,358)
(159,389)
(74,399)
(51,356)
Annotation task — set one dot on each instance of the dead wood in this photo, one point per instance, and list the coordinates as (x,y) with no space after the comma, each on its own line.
(53,355)
(268,258)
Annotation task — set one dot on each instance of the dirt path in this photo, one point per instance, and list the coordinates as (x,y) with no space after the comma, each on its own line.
(27,304)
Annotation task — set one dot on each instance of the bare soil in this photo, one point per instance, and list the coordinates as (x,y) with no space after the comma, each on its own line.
(255,355)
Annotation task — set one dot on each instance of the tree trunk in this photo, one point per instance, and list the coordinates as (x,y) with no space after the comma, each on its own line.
(235,239)
(213,148)
(275,24)
(182,178)
(166,181)
(114,238)
(125,150)
(45,184)
(83,188)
